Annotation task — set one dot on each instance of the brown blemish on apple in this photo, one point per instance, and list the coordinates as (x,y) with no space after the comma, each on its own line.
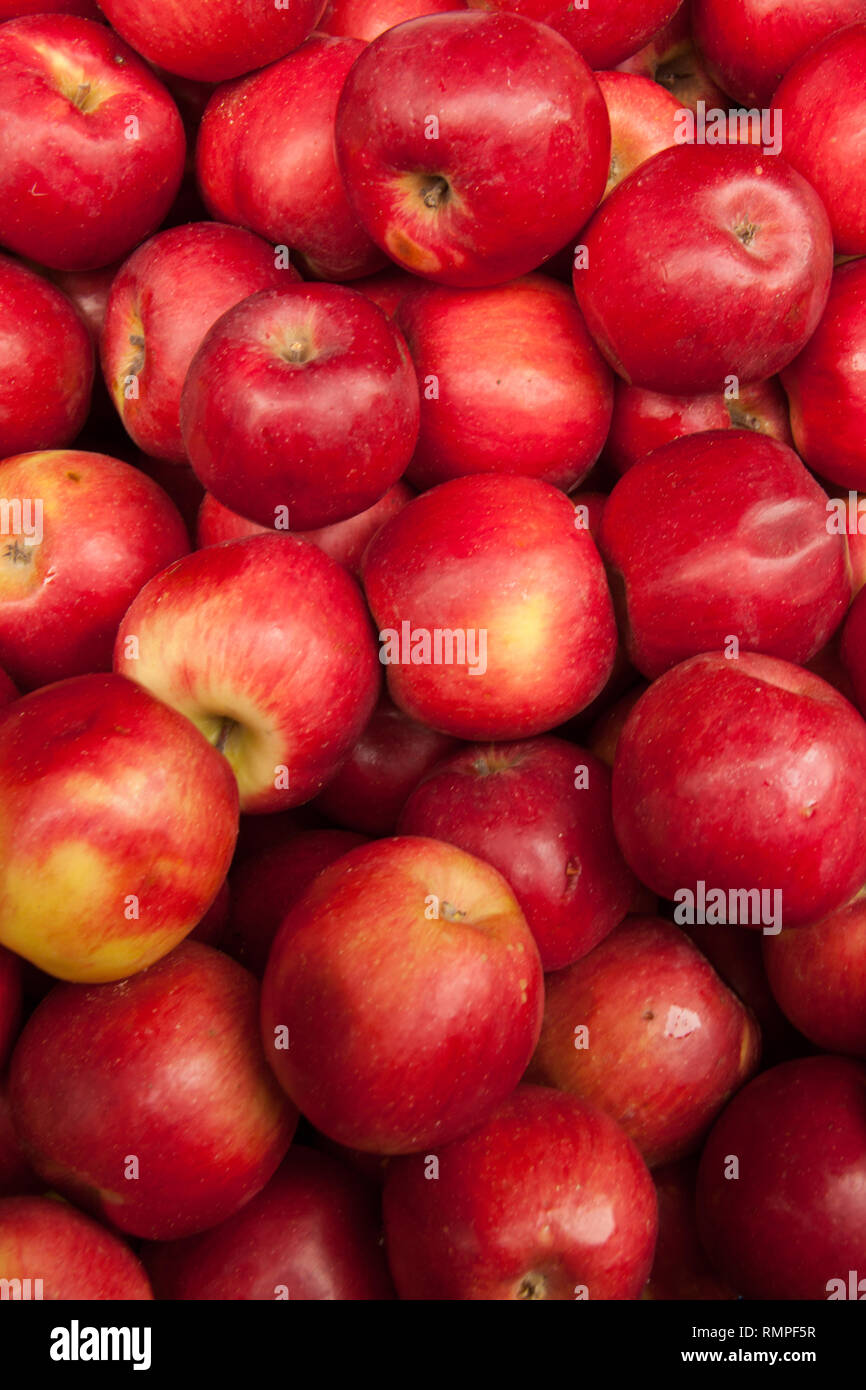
(404,249)
(19,553)
(74,477)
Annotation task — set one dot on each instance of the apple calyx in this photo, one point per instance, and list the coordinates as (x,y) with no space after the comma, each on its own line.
(532,1287)
(746,230)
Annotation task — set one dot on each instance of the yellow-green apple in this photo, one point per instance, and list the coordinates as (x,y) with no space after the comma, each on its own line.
(265,159)
(300,407)
(645,1028)
(818,975)
(539,812)
(681,1271)
(56,1253)
(643,120)
(312,1234)
(402,997)
(546,1199)
(46,363)
(367,19)
(265,644)
(210,40)
(442,202)
(603,31)
(150,1101)
(121,813)
(10,1002)
(727,279)
(87,532)
(163,300)
(510,382)
(93,143)
(492,606)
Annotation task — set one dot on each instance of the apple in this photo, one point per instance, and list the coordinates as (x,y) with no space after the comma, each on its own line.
(265,645)
(10,1002)
(311,1234)
(89,291)
(472,146)
(48,1246)
(793,1223)
(748,45)
(89,531)
(645,420)
(498,564)
(604,733)
(402,997)
(853,648)
(510,382)
(265,158)
(546,1199)
(671,59)
(121,813)
(367,19)
(93,143)
(392,755)
(681,1271)
(46,362)
(603,31)
(149,1101)
(210,40)
(818,975)
(388,288)
(825,388)
(744,775)
(643,120)
(14,9)
(722,537)
(212,926)
(728,276)
(300,407)
(539,812)
(163,300)
(8,691)
(17,1178)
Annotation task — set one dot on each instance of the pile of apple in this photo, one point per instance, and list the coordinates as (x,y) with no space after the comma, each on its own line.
(432,563)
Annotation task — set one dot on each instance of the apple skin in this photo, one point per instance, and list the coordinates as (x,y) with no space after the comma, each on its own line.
(392,755)
(822,107)
(211,40)
(681,1271)
(853,648)
(717,535)
(107,795)
(167,1067)
(367,19)
(75,1257)
(517,806)
(497,554)
(643,121)
(313,1232)
(402,1035)
(824,384)
(89,291)
(442,206)
(818,975)
(302,398)
(729,276)
(796,1216)
(10,1003)
(546,1198)
(265,645)
(102,191)
(671,59)
(748,45)
(645,420)
(668,1042)
(15,9)
(265,158)
(744,774)
(163,300)
(388,288)
(17,1178)
(46,362)
(106,530)
(345,541)
(520,387)
(604,32)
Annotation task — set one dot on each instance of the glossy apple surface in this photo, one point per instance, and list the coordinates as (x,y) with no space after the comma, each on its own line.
(681,1270)
(818,975)
(643,121)
(73,1256)
(603,31)
(367,19)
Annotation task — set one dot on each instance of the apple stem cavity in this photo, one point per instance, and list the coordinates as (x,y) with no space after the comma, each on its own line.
(224,733)
(435,191)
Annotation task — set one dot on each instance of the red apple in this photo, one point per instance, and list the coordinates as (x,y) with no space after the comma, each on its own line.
(722,537)
(643,121)
(265,645)
(211,927)
(311,1234)
(789,1221)
(443,199)
(93,143)
(46,362)
(301,406)
(603,31)
(150,1101)
(604,733)
(162,303)
(402,997)
(548,1199)
(818,975)
(726,277)
(744,775)
(681,1270)
(493,607)
(644,1028)
(89,291)
(210,40)
(510,382)
(10,1002)
(175,479)
(17,1178)
(92,531)
(14,9)
(853,648)
(8,691)
(388,288)
(367,19)
(539,812)
(671,59)
(121,813)
(48,1246)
